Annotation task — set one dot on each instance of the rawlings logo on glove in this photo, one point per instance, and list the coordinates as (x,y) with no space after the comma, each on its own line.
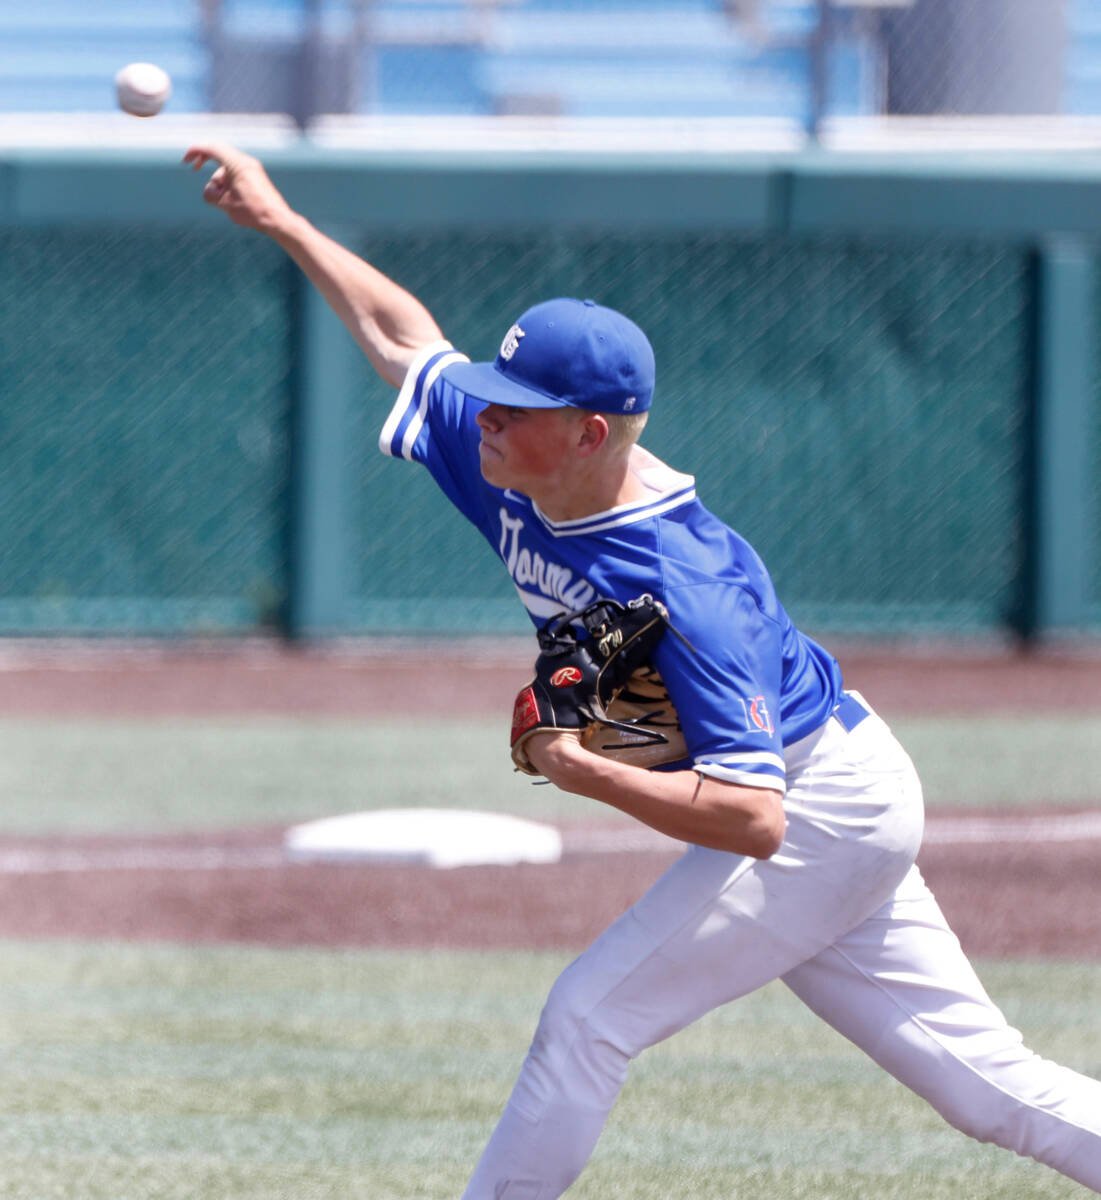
(600,684)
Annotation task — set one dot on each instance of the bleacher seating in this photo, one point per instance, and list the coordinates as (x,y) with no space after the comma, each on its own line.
(62,55)
(613,58)
(1082,94)
(608,58)
(690,61)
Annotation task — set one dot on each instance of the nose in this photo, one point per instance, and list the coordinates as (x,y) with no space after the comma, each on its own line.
(489,417)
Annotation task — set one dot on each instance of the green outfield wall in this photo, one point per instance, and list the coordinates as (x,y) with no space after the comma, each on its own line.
(882,371)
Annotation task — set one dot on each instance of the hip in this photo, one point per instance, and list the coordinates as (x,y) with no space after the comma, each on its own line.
(856,779)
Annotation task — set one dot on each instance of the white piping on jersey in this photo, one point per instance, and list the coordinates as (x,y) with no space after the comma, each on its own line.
(405,396)
(671,489)
(624,514)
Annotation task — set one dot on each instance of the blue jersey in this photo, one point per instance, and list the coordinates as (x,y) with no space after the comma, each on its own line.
(750,684)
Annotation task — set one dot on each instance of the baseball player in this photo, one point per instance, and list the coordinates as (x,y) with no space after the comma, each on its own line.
(802,813)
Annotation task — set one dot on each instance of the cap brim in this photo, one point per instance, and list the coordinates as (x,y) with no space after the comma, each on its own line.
(482,381)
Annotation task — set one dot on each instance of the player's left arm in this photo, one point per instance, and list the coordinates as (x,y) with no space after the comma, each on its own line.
(684,805)
(731,798)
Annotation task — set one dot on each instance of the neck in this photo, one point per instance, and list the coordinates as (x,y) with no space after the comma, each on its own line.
(592,492)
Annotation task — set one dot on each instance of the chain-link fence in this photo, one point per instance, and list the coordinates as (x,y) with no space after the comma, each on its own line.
(860,406)
(803,61)
(858,410)
(144,433)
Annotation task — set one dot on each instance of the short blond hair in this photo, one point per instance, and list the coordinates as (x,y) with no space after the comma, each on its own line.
(624,429)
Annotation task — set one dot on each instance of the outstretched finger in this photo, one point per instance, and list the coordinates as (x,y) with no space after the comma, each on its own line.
(202,153)
(196,157)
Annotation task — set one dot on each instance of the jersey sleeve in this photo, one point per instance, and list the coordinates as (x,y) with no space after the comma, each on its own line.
(726,686)
(433,423)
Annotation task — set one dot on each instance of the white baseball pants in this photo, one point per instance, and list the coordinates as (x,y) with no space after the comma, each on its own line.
(842,915)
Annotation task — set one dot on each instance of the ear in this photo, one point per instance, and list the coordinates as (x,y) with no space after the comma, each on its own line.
(592,434)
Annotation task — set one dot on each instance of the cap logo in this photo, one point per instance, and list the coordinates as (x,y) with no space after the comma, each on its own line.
(511,342)
(629,403)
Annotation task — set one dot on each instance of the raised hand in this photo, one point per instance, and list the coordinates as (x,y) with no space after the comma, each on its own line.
(240,187)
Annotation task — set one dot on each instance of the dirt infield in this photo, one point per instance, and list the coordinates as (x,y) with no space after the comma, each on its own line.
(1011,899)
(74,679)
(1018,896)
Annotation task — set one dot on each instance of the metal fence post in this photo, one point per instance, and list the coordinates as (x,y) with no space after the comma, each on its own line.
(818,77)
(1061,525)
(319,504)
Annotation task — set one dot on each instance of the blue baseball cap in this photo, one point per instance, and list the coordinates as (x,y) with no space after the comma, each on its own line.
(565,353)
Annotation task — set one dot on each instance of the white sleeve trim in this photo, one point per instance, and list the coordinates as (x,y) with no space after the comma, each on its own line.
(744,778)
(407,394)
(765,759)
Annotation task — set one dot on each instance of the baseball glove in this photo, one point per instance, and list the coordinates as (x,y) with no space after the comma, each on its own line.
(640,726)
(599,683)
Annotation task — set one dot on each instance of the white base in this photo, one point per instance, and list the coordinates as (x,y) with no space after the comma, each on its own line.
(431,837)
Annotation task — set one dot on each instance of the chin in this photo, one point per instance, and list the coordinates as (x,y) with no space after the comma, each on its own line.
(491,470)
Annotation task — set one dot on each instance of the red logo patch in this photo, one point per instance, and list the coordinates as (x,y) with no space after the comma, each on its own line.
(565,677)
(525,714)
(758,714)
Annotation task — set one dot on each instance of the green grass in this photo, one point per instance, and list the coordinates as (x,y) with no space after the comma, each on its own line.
(107,775)
(139,1071)
(126,775)
(1006,760)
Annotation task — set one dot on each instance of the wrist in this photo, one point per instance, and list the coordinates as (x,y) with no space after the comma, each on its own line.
(551,753)
(287,227)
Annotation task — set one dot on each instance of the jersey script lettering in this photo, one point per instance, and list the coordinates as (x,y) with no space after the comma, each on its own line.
(530,569)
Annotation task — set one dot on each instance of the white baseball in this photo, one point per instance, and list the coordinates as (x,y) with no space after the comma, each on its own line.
(142,89)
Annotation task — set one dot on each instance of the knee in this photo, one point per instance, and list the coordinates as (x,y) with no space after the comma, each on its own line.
(577,1037)
(1013,1109)
(995,1119)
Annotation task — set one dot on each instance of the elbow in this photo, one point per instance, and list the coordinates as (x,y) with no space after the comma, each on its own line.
(745,820)
(765,831)
(769,836)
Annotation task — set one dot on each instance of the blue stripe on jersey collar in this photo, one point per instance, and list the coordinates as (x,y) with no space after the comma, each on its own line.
(624,514)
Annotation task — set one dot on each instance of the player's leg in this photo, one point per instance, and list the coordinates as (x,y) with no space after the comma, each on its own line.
(621,995)
(714,927)
(901,988)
